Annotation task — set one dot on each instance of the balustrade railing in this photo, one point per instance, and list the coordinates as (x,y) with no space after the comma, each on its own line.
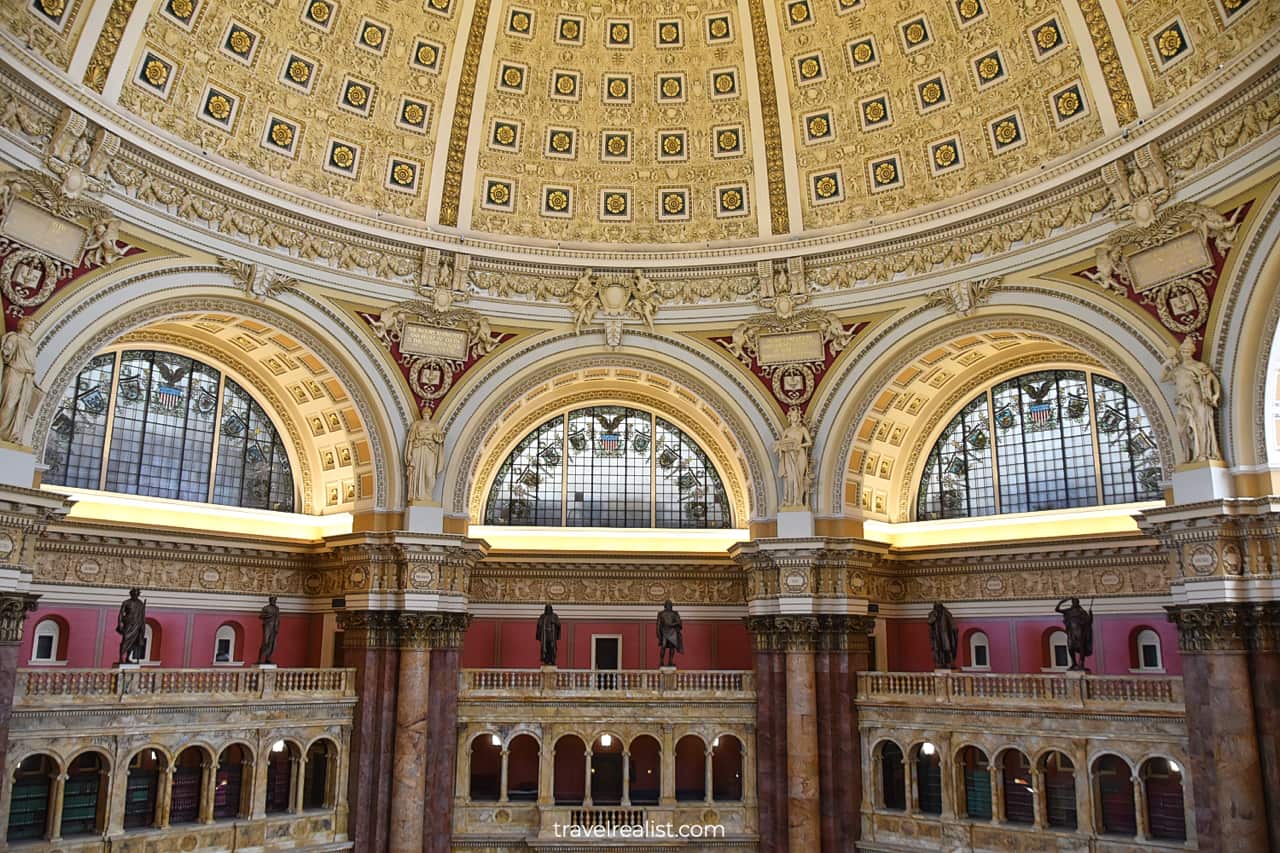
(109,686)
(1072,689)
(632,682)
(606,818)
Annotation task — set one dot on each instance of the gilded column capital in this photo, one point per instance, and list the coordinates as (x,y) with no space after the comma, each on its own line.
(1211,627)
(368,629)
(844,632)
(419,630)
(1264,626)
(14,607)
(789,633)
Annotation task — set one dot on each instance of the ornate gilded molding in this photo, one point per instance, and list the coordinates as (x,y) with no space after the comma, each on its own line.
(1112,70)
(780,220)
(104,52)
(451,187)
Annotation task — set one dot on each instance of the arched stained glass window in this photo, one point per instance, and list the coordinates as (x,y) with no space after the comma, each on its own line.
(1046,440)
(159,417)
(608,466)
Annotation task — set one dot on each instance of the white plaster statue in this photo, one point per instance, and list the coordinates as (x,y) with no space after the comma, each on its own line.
(1196,393)
(422,455)
(642,299)
(793,460)
(584,300)
(17,381)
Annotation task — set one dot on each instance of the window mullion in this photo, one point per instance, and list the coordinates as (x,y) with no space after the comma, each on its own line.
(653,470)
(217,437)
(1097,439)
(564,478)
(116,364)
(146,419)
(995,454)
(186,426)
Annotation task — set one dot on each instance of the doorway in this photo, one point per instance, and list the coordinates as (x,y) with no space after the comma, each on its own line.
(606,654)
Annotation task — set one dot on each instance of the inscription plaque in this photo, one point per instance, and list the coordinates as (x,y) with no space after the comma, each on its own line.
(1178,258)
(44,232)
(421,339)
(789,347)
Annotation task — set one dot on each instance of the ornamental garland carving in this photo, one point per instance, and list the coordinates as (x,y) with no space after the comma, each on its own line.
(1245,116)
(612,300)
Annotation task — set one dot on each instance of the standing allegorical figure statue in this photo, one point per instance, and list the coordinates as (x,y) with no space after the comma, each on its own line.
(1196,393)
(670,635)
(943,636)
(422,456)
(17,379)
(793,460)
(1079,625)
(131,625)
(270,616)
(548,634)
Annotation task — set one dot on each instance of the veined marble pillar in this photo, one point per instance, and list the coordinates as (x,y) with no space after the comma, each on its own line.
(409,757)
(1264,661)
(442,731)
(367,634)
(804,810)
(843,652)
(14,607)
(770,761)
(1222,730)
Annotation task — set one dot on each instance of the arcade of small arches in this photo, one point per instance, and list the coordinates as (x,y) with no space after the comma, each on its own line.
(623,767)
(1118,796)
(90,793)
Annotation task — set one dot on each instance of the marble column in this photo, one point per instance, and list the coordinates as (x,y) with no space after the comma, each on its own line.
(409,753)
(843,652)
(14,607)
(502,784)
(56,797)
(771,705)
(366,635)
(1264,662)
(1222,729)
(442,732)
(804,811)
(626,779)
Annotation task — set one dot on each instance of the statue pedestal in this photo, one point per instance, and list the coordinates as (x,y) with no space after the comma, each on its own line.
(17,465)
(126,666)
(268,666)
(548,667)
(795,523)
(424,518)
(1195,482)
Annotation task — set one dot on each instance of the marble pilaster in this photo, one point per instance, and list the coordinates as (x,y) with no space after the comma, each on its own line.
(409,756)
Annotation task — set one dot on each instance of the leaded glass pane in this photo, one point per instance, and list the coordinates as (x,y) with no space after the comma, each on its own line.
(1126,446)
(166,413)
(73,450)
(1047,432)
(605,462)
(527,490)
(129,426)
(609,457)
(688,491)
(957,475)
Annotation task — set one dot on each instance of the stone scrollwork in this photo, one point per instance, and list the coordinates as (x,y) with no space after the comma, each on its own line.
(258,281)
(612,300)
(79,162)
(962,298)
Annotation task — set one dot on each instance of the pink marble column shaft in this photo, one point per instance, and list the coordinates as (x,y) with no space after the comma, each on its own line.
(409,757)
(803,809)
(442,753)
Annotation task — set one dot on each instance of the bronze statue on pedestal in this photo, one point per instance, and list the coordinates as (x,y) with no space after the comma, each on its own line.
(943,636)
(1079,625)
(131,625)
(270,616)
(548,634)
(670,635)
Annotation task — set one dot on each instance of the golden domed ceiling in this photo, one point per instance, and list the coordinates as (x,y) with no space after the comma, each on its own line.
(654,122)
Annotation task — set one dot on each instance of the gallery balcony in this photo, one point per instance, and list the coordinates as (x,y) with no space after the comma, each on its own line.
(146,759)
(1055,762)
(546,753)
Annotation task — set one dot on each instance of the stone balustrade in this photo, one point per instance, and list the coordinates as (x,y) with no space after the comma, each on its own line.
(642,684)
(49,687)
(1076,690)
